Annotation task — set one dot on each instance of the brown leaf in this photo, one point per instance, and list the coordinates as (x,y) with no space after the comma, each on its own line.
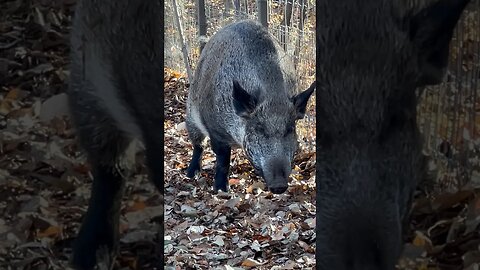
(52,232)
(445,201)
(130,262)
(82,168)
(234,181)
(13,94)
(254,186)
(43,223)
(5,107)
(422,240)
(136,206)
(251,263)
(261,238)
(22,112)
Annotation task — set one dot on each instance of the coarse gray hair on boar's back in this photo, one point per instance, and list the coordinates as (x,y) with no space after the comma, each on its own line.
(115,95)
(371,57)
(244,94)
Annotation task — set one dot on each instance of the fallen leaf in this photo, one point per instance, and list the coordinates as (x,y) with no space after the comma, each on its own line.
(136,236)
(55,106)
(445,201)
(232,202)
(310,222)
(219,241)
(256,185)
(251,263)
(256,246)
(196,229)
(52,231)
(295,208)
(42,68)
(234,181)
(137,206)
(181,126)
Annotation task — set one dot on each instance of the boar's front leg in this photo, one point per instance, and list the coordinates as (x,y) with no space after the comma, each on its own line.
(105,145)
(222,165)
(98,234)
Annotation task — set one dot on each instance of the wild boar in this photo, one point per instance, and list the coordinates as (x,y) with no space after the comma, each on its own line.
(244,94)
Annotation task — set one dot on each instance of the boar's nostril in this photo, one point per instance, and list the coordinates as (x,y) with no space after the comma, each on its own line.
(278,190)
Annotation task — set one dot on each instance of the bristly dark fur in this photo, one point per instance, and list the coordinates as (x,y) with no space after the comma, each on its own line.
(371,57)
(115,95)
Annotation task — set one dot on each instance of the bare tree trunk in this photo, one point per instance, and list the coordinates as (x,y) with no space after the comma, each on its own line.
(247,8)
(237,7)
(185,50)
(227,7)
(287,18)
(301,24)
(262,12)
(202,23)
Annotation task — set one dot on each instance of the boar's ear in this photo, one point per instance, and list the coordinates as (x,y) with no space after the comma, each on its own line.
(431,30)
(243,102)
(300,101)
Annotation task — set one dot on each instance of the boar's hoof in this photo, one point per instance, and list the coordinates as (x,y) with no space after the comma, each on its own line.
(278,190)
(193,168)
(191,172)
(220,188)
(105,258)
(101,259)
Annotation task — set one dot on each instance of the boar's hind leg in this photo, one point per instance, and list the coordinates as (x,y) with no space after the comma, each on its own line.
(222,166)
(196,137)
(105,146)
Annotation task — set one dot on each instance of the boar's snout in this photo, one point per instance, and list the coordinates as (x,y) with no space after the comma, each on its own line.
(276,175)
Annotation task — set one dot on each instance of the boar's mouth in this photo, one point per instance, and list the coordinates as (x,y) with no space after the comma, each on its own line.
(274,190)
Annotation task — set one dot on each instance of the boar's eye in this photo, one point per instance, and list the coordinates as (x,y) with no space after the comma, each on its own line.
(261,129)
(289,130)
